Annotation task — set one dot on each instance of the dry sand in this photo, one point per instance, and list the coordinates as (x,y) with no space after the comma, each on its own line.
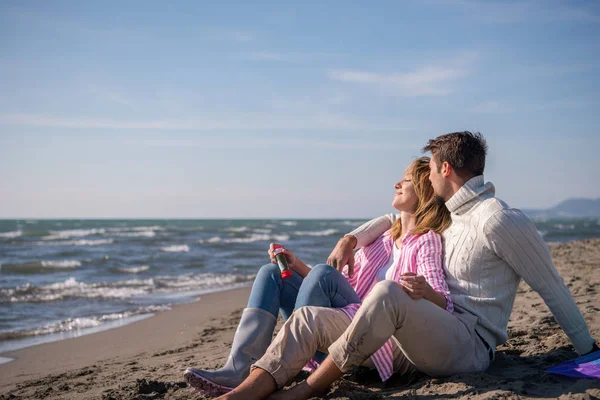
(145,360)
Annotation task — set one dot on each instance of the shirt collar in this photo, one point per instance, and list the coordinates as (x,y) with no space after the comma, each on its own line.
(469,194)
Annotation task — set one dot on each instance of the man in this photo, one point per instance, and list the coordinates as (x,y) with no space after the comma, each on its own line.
(488,249)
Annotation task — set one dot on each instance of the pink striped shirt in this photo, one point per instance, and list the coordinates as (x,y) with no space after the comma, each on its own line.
(420,254)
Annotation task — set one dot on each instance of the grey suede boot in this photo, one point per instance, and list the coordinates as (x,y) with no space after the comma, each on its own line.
(252,338)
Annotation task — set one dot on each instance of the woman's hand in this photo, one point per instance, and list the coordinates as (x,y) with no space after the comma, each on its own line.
(289,256)
(415,285)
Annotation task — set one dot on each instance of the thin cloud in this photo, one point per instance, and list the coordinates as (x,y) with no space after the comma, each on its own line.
(240,122)
(426,81)
(256,143)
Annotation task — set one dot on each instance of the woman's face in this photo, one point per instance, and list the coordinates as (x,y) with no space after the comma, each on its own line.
(405,198)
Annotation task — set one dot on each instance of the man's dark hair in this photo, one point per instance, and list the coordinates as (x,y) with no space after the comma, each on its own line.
(464,151)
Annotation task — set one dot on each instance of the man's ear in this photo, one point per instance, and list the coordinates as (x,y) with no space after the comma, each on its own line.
(446,169)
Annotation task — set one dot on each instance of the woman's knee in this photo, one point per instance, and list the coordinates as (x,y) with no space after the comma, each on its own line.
(268,271)
(321,271)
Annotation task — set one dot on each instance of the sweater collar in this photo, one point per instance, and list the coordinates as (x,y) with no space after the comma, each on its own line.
(469,194)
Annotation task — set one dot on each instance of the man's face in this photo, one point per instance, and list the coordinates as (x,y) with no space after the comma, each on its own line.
(435,177)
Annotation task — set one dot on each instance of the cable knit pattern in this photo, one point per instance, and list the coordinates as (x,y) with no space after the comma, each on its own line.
(488,249)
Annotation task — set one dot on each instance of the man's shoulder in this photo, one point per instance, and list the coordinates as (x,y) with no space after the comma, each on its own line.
(498,213)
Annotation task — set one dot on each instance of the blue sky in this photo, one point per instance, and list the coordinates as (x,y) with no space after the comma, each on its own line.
(287,109)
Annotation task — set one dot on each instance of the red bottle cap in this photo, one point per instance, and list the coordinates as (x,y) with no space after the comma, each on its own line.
(277,249)
(286,274)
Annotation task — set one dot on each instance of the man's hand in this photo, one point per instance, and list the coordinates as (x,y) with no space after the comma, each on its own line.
(415,285)
(343,254)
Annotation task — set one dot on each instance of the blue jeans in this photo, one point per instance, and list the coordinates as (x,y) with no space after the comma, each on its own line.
(324,286)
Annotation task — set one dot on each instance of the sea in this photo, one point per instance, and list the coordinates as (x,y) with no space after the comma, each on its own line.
(66,278)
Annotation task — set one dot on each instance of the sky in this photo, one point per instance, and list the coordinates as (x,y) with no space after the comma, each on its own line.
(191,109)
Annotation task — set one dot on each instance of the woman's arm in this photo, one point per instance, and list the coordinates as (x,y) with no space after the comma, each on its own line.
(430,269)
(299,266)
(418,287)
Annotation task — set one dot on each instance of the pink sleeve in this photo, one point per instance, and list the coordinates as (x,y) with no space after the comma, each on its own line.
(430,264)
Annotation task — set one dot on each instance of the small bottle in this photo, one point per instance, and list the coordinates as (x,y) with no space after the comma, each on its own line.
(286,272)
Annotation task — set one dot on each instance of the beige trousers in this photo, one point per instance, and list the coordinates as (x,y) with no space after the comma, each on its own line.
(430,339)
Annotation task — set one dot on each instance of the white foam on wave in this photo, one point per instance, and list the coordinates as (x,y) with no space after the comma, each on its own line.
(80,242)
(133,270)
(564,227)
(214,239)
(326,232)
(352,223)
(125,289)
(136,228)
(258,237)
(135,234)
(62,264)
(199,281)
(259,230)
(239,229)
(70,233)
(11,235)
(81,323)
(289,223)
(176,249)
(72,288)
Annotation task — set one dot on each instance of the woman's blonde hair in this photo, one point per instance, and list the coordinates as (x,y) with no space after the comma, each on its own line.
(430,214)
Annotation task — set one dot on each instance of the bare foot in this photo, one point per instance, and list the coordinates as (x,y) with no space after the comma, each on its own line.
(301,391)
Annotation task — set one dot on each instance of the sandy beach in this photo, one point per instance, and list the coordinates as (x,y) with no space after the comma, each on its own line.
(146,359)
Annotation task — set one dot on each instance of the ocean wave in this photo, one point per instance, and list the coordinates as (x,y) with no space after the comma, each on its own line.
(132,270)
(259,230)
(80,242)
(72,288)
(40,267)
(11,235)
(326,232)
(135,234)
(289,223)
(565,227)
(352,223)
(239,229)
(176,248)
(136,229)
(75,324)
(258,237)
(214,239)
(70,233)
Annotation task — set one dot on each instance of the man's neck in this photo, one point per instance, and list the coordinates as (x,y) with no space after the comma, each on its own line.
(455,184)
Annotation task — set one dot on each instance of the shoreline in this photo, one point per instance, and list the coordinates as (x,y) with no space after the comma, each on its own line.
(164,331)
(11,345)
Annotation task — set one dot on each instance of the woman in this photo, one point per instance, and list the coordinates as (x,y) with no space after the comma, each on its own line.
(410,253)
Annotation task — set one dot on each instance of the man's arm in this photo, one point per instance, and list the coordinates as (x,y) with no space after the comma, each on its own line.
(369,231)
(515,239)
(343,252)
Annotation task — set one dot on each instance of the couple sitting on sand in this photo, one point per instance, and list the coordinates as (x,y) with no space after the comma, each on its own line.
(407,300)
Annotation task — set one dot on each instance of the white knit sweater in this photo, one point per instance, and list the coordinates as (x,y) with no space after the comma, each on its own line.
(488,249)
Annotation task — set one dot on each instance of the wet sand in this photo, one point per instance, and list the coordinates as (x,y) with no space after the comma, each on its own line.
(146,359)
